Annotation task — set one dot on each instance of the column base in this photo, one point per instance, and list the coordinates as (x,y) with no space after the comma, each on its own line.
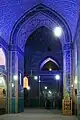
(17,108)
(20,104)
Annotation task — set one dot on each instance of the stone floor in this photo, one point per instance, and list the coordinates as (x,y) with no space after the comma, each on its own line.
(37,114)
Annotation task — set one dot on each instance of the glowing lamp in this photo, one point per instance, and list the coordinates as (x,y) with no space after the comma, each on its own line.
(45,87)
(28,88)
(25,82)
(50,69)
(15,77)
(57,77)
(72,85)
(35,77)
(58,31)
(12,85)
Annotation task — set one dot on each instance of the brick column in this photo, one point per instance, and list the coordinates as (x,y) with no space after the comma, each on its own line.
(67,56)
(13,82)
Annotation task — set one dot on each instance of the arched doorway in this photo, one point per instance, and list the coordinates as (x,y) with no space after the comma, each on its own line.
(51,86)
(40,51)
(23,28)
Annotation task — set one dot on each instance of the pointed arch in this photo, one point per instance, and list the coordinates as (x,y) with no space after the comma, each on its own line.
(36,17)
(47,60)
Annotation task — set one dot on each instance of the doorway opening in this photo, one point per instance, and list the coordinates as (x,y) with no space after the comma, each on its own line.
(43,66)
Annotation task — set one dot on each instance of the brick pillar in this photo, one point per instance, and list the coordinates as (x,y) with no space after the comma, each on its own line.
(13,82)
(67,77)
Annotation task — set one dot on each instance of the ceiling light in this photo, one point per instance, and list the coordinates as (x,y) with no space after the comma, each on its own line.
(57,77)
(58,31)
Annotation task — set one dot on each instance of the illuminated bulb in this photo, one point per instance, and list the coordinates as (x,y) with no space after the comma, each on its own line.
(12,85)
(58,31)
(50,69)
(28,88)
(45,87)
(71,85)
(35,77)
(15,77)
(39,81)
(57,77)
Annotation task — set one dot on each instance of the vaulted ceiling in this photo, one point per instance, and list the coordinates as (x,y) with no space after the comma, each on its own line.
(40,47)
(43,40)
(12,10)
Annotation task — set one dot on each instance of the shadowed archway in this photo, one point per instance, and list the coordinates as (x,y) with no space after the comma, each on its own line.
(41,45)
(22,30)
